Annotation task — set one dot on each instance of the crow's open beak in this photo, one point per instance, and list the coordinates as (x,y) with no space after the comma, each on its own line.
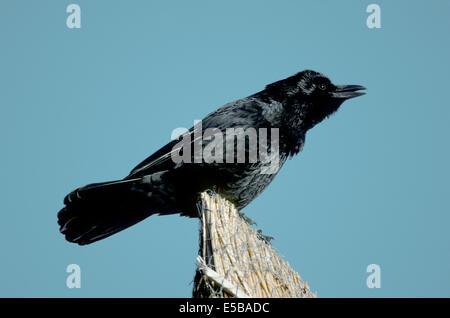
(348,91)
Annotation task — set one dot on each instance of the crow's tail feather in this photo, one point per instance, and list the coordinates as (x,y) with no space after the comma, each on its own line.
(99,210)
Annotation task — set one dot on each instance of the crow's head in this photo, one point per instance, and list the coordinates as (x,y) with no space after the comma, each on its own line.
(308,97)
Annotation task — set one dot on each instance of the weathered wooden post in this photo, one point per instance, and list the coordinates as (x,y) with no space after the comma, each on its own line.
(236,261)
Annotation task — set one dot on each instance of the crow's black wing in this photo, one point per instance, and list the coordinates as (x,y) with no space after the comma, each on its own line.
(242,113)
(159,161)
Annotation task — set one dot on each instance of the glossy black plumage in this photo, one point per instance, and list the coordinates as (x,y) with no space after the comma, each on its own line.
(160,186)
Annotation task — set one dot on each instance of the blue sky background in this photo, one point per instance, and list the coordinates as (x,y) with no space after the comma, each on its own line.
(87,105)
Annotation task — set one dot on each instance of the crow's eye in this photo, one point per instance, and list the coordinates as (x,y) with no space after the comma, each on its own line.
(322,87)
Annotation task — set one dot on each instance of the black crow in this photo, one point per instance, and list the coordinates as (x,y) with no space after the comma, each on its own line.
(169,181)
